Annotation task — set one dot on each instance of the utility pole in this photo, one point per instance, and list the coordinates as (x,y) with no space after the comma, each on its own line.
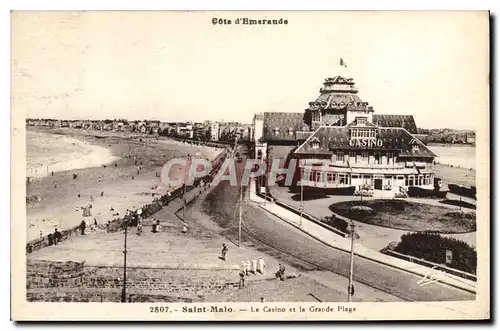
(240,215)
(124,289)
(350,290)
(301,198)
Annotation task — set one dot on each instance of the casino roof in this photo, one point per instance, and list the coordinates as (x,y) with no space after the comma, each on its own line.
(334,137)
(283,126)
(400,121)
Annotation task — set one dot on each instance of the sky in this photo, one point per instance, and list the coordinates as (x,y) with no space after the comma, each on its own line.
(178,66)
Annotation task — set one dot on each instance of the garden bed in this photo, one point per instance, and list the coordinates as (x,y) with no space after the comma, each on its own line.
(405,215)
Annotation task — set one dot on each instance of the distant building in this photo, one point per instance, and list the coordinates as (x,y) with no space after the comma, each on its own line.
(214,131)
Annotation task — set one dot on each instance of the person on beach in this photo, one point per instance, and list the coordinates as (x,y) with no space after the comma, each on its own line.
(154,225)
(157,225)
(82,227)
(224,252)
(57,236)
(248,268)
(41,234)
(107,227)
(261,265)
(139,228)
(281,272)
(254,266)
(184,227)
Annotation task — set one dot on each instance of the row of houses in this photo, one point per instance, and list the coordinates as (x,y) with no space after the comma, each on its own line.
(204,131)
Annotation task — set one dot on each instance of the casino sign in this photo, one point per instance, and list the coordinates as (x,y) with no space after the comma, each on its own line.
(368,142)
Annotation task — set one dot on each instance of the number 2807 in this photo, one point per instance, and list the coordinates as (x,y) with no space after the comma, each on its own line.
(158,309)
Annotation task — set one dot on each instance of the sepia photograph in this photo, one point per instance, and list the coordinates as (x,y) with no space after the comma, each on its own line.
(274,165)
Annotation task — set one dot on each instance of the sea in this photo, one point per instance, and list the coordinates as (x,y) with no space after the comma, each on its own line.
(463,156)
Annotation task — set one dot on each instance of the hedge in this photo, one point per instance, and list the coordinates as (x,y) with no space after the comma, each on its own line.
(432,247)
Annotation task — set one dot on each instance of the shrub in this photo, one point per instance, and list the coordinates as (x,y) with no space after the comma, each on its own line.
(399,195)
(337,223)
(432,247)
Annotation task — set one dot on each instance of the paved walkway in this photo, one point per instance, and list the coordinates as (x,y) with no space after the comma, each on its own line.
(334,240)
(199,249)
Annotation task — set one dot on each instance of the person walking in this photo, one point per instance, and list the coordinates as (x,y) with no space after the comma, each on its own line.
(261,265)
(241,284)
(224,252)
(82,227)
(254,266)
(248,267)
(154,225)
(184,227)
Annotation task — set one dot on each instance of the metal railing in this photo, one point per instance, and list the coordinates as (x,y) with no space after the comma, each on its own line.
(448,270)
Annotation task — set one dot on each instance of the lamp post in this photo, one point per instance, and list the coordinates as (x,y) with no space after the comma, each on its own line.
(460,195)
(240,215)
(350,290)
(124,289)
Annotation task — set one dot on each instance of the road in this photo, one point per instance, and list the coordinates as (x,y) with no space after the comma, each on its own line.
(304,252)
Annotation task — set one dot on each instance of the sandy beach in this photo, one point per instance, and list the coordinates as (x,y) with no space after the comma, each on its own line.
(47,152)
(115,172)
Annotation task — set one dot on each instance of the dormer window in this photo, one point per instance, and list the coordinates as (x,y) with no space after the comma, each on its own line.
(276,131)
(315,143)
(363,133)
(361,120)
(290,131)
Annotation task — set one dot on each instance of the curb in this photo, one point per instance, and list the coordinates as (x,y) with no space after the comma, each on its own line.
(467,289)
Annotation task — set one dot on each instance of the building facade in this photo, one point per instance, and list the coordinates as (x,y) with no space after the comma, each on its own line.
(338,142)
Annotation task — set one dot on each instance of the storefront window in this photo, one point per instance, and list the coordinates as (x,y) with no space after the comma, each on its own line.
(329,177)
(411,181)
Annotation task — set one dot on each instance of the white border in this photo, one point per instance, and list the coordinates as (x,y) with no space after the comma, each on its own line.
(157,5)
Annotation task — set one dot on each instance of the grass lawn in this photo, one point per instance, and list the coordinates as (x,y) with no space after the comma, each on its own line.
(405,215)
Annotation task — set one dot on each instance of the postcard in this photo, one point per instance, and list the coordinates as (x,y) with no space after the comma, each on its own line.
(250,166)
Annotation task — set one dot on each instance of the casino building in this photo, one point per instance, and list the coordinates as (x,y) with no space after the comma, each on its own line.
(340,143)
